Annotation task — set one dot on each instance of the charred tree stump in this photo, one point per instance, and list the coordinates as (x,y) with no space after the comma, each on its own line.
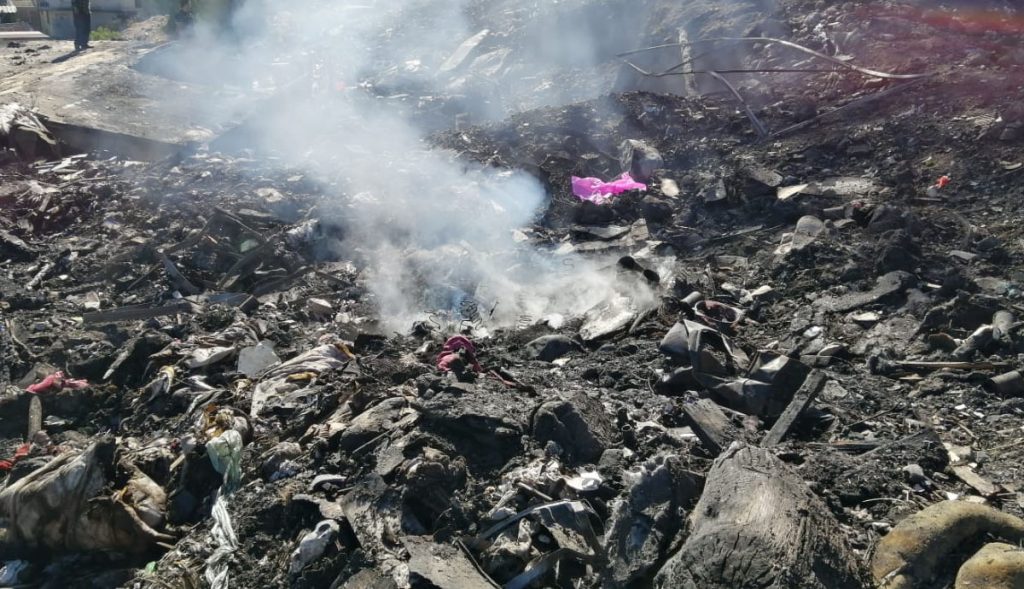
(758,525)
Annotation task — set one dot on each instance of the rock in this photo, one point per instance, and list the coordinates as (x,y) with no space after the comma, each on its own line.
(645,523)
(579,425)
(888,218)
(383,417)
(915,474)
(319,307)
(549,348)
(887,285)
(365,579)
(765,294)
(656,210)
(807,230)
(441,565)
(640,159)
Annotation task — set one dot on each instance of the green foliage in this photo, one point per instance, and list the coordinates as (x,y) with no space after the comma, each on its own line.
(105,34)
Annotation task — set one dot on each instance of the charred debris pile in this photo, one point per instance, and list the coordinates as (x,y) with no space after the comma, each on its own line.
(822,389)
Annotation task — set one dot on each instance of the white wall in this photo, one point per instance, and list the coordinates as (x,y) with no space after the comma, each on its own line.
(97,5)
(56,20)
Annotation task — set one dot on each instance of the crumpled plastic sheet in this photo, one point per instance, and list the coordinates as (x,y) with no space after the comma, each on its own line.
(598,191)
(319,360)
(225,452)
(223,534)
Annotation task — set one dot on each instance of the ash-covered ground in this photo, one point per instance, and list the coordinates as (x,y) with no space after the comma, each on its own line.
(371,338)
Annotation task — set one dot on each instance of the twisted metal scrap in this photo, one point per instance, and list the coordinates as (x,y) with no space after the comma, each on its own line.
(759,127)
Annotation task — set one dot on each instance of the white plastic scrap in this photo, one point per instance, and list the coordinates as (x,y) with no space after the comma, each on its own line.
(225,452)
(313,545)
(223,534)
(10,572)
(208,356)
(585,481)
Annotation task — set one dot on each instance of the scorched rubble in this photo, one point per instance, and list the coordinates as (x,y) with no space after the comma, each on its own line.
(195,384)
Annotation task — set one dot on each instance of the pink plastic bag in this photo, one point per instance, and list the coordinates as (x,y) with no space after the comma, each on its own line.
(57,381)
(450,352)
(598,191)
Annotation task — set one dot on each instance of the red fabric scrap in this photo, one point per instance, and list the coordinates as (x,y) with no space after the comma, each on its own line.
(450,352)
(21,452)
(57,381)
(942,182)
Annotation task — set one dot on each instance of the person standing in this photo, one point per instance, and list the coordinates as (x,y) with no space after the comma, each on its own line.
(83,23)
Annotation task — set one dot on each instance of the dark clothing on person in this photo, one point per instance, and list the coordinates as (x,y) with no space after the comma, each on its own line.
(83,23)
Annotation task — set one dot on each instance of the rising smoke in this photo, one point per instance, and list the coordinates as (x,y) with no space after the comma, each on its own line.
(432,232)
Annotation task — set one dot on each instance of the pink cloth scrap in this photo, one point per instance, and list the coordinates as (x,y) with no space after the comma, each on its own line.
(598,191)
(57,381)
(450,352)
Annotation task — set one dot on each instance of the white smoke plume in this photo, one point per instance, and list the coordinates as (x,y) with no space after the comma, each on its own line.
(431,231)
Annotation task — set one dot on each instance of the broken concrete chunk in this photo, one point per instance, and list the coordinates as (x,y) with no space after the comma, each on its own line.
(841,186)
(645,523)
(578,425)
(763,175)
(765,294)
(962,256)
(385,416)
(887,285)
(984,487)
(808,228)
(319,307)
(715,193)
(640,159)
(549,348)
(365,579)
(441,565)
